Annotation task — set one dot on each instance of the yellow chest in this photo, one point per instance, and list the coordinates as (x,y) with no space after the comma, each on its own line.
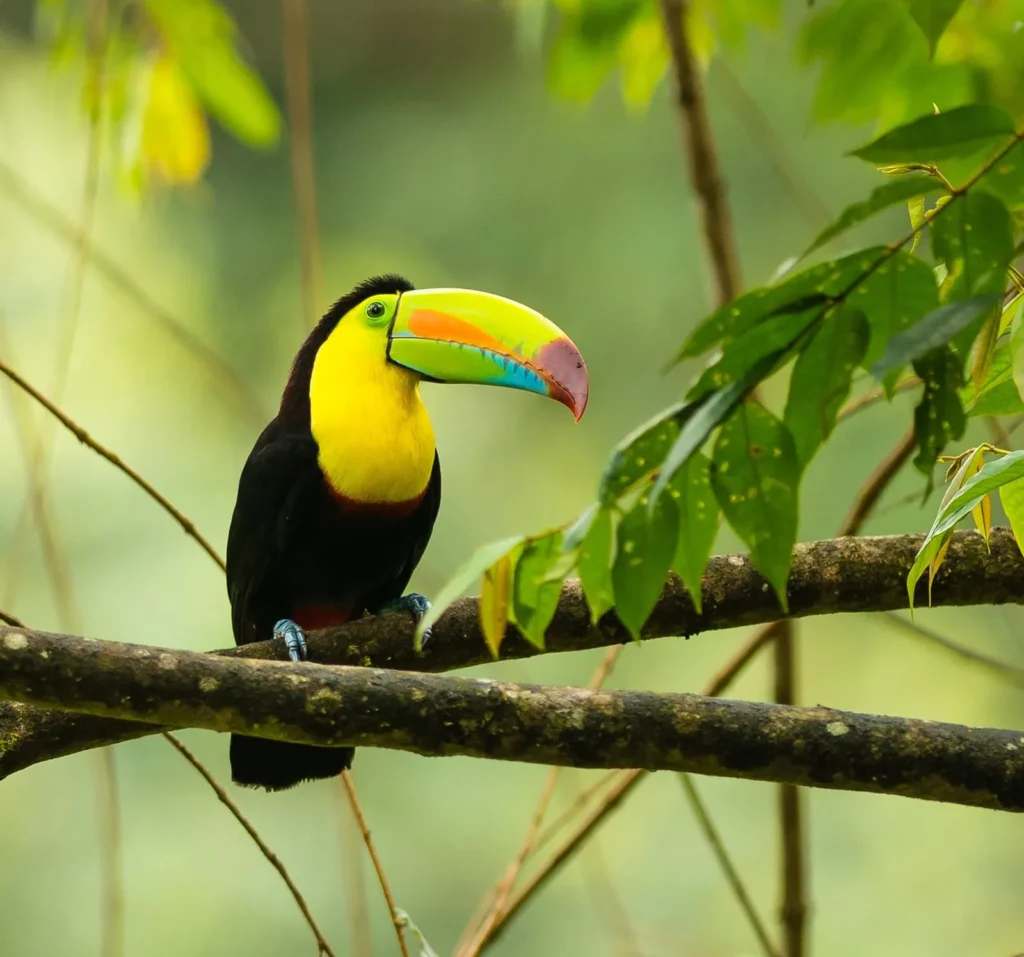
(376,443)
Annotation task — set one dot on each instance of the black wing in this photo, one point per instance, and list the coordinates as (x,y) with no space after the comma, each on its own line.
(277,484)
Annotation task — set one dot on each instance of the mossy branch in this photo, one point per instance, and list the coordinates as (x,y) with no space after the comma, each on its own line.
(841,575)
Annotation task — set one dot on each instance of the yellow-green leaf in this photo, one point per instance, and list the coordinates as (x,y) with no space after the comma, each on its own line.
(494,600)
(536,592)
(1011,496)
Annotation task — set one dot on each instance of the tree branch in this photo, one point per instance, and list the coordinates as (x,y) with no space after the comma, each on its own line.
(840,575)
(443,716)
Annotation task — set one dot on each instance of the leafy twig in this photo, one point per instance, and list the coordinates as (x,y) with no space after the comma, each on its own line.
(728,868)
(357,811)
(115,460)
(271,857)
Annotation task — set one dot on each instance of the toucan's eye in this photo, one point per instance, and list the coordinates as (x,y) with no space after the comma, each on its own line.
(375,310)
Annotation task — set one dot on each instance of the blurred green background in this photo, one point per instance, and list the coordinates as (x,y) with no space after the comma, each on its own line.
(441,154)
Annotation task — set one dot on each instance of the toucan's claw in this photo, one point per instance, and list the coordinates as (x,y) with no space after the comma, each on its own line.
(294,638)
(415,604)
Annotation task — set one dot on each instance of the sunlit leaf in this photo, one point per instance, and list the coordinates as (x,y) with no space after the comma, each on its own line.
(495,591)
(642,451)
(933,16)
(821,379)
(644,56)
(577,531)
(933,546)
(467,573)
(709,412)
(699,518)
(939,417)
(594,564)
(1017,349)
(985,349)
(890,193)
(647,545)
(773,336)
(1011,496)
(982,514)
(998,394)
(755,474)
(936,563)
(535,593)
(916,211)
(936,329)
(993,475)
(798,291)
(938,136)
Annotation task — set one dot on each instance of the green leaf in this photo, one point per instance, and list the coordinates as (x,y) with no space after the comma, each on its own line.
(647,545)
(203,35)
(425,949)
(1017,349)
(708,413)
(799,291)
(821,379)
(577,531)
(1011,496)
(938,136)
(495,591)
(933,16)
(699,518)
(994,475)
(936,329)
(933,548)
(594,564)
(535,593)
(1006,179)
(467,573)
(897,190)
(895,296)
(998,394)
(755,474)
(939,417)
(641,452)
(773,336)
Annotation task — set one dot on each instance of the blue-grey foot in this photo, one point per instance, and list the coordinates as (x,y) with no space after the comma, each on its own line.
(294,638)
(413,603)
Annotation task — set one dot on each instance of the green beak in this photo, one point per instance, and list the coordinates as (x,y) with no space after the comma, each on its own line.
(460,335)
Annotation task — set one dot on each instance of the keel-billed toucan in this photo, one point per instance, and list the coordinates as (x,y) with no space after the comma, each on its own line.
(338,497)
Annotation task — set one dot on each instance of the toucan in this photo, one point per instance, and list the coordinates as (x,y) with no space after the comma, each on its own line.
(337,499)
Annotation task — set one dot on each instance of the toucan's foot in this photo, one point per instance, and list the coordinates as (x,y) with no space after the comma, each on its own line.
(294,638)
(413,603)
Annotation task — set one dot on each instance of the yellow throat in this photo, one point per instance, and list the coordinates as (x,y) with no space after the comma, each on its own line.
(375,438)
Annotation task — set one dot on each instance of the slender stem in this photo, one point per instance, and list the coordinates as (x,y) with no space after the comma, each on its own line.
(728,868)
(357,905)
(111,843)
(271,857)
(300,126)
(9,619)
(357,812)
(705,171)
(113,459)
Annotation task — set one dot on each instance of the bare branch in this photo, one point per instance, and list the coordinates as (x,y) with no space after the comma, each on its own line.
(840,575)
(439,715)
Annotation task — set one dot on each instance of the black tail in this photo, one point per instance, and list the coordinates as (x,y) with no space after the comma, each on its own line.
(276,765)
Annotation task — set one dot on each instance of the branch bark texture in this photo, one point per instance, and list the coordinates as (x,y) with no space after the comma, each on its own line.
(441,716)
(840,575)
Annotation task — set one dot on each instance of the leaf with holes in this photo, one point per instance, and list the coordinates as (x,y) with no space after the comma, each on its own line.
(894,297)
(939,418)
(647,545)
(799,291)
(535,593)
(641,452)
(755,474)
(888,194)
(495,592)
(936,329)
(771,337)
(709,412)
(594,563)
(821,379)
(933,16)
(938,136)
(699,518)
(467,573)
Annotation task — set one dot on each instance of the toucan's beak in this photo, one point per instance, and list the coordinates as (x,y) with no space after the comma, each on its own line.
(460,335)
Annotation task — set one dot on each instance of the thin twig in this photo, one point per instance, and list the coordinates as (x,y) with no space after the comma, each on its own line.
(868,496)
(9,619)
(357,812)
(1000,669)
(875,396)
(18,189)
(357,905)
(111,842)
(500,894)
(728,868)
(300,128)
(114,460)
(271,857)
(705,172)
